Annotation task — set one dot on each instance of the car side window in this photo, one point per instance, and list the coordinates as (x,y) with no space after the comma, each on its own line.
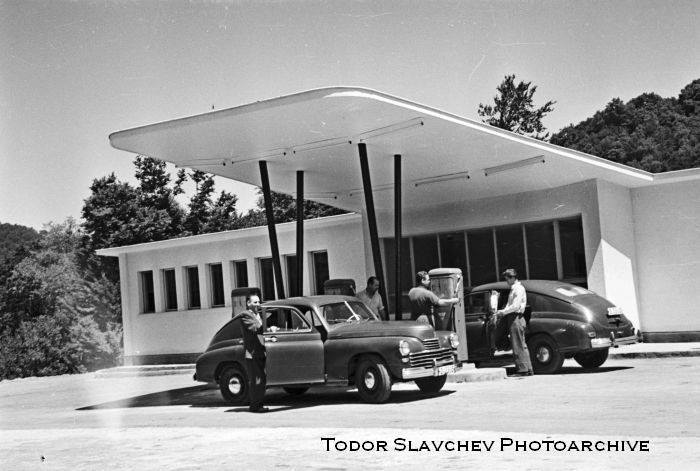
(541,303)
(230,331)
(285,319)
(476,303)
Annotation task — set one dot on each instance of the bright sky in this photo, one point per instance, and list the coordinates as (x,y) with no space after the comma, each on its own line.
(71,73)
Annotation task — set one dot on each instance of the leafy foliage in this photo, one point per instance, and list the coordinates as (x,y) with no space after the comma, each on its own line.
(648,132)
(53,318)
(513,109)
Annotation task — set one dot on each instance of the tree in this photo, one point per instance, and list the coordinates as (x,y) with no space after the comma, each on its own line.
(648,132)
(513,109)
(200,203)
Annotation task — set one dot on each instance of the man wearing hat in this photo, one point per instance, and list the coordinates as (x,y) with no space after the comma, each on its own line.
(515,308)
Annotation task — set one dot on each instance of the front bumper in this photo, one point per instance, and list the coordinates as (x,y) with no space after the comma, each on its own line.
(422,372)
(613,342)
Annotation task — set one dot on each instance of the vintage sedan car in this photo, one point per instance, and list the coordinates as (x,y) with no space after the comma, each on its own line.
(331,340)
(564,321)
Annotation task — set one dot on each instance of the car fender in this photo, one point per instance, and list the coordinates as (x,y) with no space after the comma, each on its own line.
(342,354)
(569,335)
(210,363)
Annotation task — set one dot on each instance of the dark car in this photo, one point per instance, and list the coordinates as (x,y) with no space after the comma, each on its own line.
(564,321)
(331,340)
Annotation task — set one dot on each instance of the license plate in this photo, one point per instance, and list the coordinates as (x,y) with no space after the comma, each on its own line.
(443,370)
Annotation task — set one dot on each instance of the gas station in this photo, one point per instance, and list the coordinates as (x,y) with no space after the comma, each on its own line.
(411,171)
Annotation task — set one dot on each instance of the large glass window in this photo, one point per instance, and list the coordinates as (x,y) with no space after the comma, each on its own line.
(147,293)
(240,273)
(482,260)
(406,273)
(573,255)
(169,289)
(267,279)
(425,252)
(320,266)
(453,252)
(193,300)
(511,250)
(541,252)
(216,275)
(292,280)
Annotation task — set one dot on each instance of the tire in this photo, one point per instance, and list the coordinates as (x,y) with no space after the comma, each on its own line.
(544,355)
(431,384)
(296,391)
(233,384)
(592,359)
(373,381)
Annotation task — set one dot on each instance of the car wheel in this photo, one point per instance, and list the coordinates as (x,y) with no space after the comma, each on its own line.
(233,384)
(296,391)
(431,384)
(544,355)
(592,359)
(373,381)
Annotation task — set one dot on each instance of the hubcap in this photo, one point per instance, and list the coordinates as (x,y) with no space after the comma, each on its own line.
(543,354)
(234,385)
(369,380)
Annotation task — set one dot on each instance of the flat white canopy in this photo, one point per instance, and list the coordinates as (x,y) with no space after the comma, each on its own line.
(318,131)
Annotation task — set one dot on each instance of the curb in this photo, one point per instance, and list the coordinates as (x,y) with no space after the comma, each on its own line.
(670,354)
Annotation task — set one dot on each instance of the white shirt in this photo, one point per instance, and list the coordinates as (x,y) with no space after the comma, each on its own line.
(373,302)
(517,299)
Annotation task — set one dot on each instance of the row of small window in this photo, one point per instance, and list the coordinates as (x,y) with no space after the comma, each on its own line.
(217,293)
(549,250)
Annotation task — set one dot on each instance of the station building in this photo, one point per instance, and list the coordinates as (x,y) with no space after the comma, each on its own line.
(470,196)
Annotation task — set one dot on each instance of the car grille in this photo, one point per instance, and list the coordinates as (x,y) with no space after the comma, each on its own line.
(432,355)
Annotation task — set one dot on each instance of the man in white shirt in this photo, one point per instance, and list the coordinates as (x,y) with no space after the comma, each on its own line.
(515,308)
(370,296)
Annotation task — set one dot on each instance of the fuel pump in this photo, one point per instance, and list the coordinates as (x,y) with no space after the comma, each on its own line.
(238,297)
(447,283)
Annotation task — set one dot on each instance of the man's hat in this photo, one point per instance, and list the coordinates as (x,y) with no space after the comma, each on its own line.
(510,273)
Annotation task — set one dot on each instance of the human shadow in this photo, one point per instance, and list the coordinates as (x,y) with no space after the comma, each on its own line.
(207,396)
(577,370)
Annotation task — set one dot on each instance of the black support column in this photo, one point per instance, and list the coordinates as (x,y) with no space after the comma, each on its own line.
(372,222)
(270,215)
(300,233)
(397,237)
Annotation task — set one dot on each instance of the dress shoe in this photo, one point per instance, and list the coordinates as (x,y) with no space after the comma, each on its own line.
(259,410)
(522,373)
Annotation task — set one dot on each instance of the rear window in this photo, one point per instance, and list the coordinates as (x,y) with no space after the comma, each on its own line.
(571,291)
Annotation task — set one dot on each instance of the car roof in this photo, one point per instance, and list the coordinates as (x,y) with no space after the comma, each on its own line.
(308,301)
(556,289)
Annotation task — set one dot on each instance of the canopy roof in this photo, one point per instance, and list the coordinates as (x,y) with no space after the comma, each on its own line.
(446,158)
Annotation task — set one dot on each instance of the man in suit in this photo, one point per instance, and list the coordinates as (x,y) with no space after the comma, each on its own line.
(254,344)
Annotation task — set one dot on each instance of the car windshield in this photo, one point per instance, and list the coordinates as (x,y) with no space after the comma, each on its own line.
(347,311)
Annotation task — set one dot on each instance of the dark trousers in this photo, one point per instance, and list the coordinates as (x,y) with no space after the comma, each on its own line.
(257,380)
(517,340)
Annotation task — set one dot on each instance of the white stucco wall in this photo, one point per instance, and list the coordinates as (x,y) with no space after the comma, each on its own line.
(189,331)
(667,234)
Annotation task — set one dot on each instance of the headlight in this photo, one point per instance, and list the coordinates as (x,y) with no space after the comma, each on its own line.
(404,348)
(454,340)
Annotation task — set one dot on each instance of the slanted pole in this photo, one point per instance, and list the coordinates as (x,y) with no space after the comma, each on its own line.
(397,236)
(270,215)
(300,233)
(372,222)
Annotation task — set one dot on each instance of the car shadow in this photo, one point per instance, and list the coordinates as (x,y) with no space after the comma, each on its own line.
(209,397)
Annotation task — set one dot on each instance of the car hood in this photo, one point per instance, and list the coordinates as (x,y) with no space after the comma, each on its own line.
(382,329)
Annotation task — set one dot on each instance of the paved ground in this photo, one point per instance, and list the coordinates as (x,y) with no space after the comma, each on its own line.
(157,422)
